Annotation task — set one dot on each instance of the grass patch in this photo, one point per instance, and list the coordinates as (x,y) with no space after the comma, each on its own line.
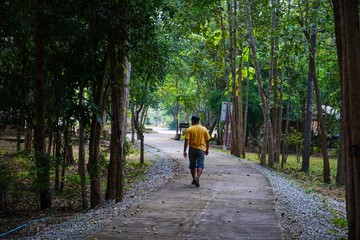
(340,222)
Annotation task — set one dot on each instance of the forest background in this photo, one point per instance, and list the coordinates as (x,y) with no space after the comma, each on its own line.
(87,73)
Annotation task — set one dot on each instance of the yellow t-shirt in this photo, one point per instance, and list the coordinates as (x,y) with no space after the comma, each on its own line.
(197,136)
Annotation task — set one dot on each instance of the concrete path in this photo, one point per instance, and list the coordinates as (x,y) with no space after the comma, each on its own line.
(233,202)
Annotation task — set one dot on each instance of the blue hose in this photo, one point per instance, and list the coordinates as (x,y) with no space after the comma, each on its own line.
(21,226)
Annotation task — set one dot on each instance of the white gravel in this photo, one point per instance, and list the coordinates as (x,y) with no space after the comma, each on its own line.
(302,215)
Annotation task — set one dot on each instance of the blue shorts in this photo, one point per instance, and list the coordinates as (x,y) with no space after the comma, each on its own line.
(196,157)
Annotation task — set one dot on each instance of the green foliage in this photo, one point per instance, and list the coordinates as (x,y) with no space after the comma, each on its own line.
(340,222)
(295,137)
(127,147)
(15,180)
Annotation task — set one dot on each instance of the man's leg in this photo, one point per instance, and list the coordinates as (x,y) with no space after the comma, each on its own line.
(196,181)
(193,174)
(199,172)
(193,171)
(199,167)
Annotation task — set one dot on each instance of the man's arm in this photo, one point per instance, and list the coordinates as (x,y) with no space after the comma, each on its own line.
(186,143)
(207,147)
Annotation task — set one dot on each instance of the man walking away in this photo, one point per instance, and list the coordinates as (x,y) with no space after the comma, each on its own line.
(197,138)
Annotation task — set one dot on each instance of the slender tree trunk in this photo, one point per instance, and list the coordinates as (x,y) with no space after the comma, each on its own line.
(226,80)
(324,151)
(139,126)
(28,138)
(285,144)
(19,128)
(273,78)
(124,74)
(120,77)
(306,20)
(94,143)
(340,173)
(240,121)
(308,119)
(142,143)
(346,15)
(280,121)
(246,100)
(42,163)
(133,124)
(66,153)
(81,162)
(341,177)
(50,142)
(57,156)
(264,100)
(235,116)
(114,143)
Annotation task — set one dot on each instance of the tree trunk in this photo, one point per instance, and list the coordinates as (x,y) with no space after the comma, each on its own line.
(124,74)
(340,170)
(326,169)
(273,77)
(246,100)
(142,143)
(19,130)
(280,122)
(28,139)
(240,121)
(346,15)
(264,100)
(50,142)
(94,143)
(133,124)
(66,154)
(81,162)
(310,35)
(42,163)
(120,77)
(226,80)
(308,119)
(57,156)
(285,144)
(236,116)
(139,126)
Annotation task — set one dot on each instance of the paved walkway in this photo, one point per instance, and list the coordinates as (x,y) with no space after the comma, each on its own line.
(233,202)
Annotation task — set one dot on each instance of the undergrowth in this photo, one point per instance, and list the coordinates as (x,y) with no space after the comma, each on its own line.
(19,200)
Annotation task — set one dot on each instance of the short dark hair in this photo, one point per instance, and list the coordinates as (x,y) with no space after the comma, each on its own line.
(195,119)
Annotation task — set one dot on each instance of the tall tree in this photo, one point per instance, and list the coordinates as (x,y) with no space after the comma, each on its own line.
(347,29)
(42,163)
(235,52)
(120,69)
(81,161)
(273,74)
(262,92)
(226,78)
(95,132)
(310,32)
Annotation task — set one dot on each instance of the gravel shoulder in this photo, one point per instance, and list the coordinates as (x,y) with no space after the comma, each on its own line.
(303,215)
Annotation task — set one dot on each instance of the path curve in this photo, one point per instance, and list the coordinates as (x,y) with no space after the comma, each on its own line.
(234,201)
